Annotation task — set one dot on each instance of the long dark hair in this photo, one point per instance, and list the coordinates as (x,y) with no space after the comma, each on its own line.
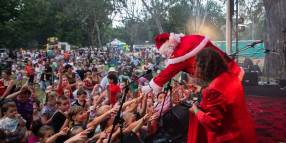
(210,64)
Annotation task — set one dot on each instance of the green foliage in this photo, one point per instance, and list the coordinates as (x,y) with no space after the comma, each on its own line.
(28,23)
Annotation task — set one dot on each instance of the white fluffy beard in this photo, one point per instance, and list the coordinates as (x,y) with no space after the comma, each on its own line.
(167,49)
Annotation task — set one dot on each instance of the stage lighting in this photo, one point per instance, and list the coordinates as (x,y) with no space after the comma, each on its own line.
(240,20)
(241,28)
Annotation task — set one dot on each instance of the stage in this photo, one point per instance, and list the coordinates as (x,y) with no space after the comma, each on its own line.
(267,107)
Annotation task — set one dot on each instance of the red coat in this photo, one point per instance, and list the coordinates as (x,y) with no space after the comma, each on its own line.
(224,116)
(183,59)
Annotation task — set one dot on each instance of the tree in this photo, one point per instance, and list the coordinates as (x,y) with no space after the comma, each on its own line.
(253,12)
(9,13)
(178,17)
(93,16)
(197,17)
(157,9)
(198,13)
(275,20)
(131,19)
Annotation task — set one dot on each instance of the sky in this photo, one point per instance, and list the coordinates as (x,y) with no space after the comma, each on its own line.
(118,17)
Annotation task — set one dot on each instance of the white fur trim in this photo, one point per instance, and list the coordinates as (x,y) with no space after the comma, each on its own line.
(190,54)
(156,88)
(170,45)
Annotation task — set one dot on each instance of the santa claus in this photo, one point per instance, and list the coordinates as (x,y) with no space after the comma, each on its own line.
(180,51)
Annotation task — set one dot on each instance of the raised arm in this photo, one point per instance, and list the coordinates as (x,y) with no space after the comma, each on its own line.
(144,105)
(53,138)
(97,120)
(23,89)
(107,101)
(60,78)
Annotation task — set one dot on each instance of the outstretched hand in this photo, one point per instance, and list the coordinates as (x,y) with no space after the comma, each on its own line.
(64,131)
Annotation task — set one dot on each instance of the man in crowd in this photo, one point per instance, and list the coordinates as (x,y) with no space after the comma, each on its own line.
(46,76)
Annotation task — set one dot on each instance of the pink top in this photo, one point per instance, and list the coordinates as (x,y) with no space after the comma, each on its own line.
(33,139)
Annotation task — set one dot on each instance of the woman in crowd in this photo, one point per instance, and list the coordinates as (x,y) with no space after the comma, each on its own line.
(145,68)
(95,76)
(63,82)
(114,88)
(30,71)
(70,76)
(7,84)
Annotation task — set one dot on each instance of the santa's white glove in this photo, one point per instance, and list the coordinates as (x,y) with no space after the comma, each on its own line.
(146,89)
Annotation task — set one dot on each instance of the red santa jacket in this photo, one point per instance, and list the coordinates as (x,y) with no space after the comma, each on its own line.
(183,59)
(224,116)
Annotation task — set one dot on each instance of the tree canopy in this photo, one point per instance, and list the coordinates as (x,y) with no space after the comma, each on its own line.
(28,23)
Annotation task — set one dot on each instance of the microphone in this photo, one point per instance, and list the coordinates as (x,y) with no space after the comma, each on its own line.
(254,43)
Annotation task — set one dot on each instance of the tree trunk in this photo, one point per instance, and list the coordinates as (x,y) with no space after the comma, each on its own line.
(98,30)
(158,23)
(90,33)
(275,22)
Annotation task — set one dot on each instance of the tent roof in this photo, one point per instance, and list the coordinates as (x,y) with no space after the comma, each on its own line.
(116,42)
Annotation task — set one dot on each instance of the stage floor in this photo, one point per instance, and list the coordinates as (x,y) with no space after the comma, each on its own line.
(267,107)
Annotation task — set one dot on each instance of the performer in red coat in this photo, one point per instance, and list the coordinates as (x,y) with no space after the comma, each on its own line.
(224,116)
(180,51)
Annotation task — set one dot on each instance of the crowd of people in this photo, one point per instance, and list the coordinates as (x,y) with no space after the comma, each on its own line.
(82,102)
(80,98)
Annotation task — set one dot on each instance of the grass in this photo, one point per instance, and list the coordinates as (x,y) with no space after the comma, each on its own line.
(39,92)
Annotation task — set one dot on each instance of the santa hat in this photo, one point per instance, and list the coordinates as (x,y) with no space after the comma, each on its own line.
(161,39)
(166,43)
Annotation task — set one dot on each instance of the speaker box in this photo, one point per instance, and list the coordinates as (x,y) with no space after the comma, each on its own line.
(250,78)
(176,119)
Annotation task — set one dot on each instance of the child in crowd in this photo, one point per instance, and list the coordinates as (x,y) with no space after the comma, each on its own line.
(102,72)
(14,67)
(79,117)
(50,108)
(33,134)
(42,69)
(24,104)
(36,106)
(96,101)
(76,130)
(19,76)
(93,107)
(88,82)
(38,73)
(81,96)
(33,96)
(12,123)
(46,134)
(60,120)
(68,93)
(79,87)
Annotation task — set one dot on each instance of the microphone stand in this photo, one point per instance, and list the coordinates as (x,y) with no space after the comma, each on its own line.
(119,120)
(169,88)
(234,54)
